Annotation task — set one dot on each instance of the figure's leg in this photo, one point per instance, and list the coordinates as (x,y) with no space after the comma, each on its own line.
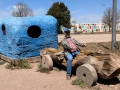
(75,53)
(69,63)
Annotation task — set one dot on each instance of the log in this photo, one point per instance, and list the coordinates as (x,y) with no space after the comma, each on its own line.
(56,55)
(47,62)
(107,65)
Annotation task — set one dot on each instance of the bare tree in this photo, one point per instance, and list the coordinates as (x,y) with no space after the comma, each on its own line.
(107,17)
(22,10)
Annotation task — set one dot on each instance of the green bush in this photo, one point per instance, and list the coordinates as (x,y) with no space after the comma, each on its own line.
(56,69)
(2,62)
(79,83)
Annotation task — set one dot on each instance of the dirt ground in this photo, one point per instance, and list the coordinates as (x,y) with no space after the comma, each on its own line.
(30,79)
(87,38)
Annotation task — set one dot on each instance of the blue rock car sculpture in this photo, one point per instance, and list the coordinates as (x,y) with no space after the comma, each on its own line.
(23,37)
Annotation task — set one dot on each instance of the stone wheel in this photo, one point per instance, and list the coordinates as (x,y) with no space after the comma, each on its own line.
(47,62)
(87,73)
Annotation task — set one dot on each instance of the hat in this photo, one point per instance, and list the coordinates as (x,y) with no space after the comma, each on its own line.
(66,29)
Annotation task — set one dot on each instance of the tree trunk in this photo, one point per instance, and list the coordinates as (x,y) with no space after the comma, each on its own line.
(109,28)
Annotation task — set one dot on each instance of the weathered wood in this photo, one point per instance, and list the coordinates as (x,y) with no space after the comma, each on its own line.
(107,65)
(110,67)
(56,55)
(47,62)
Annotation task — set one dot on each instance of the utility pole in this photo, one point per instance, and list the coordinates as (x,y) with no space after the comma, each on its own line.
(114,10)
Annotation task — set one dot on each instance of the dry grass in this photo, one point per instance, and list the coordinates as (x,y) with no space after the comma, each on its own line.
(102,46)
(42,69)
(21,64)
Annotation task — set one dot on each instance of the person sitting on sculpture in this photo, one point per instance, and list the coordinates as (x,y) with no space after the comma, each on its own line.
(70,49)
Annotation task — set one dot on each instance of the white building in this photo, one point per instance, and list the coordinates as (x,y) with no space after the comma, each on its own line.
(118,26)
(88,27)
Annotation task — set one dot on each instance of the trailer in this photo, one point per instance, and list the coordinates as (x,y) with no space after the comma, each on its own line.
(88,65)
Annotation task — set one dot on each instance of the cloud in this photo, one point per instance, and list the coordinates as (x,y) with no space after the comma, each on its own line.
(40,11)
(7,13)
(51,2)
(4,14)
(74,12)
(15,7)
(10,8)
(88,18)
(36,11)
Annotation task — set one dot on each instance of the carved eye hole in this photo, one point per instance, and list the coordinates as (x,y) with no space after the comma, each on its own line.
(34,31)
(3,29)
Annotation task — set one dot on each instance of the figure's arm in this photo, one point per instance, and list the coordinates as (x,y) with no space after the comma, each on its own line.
(79,43)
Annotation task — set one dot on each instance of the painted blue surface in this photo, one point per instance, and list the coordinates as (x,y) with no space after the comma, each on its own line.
(17,44)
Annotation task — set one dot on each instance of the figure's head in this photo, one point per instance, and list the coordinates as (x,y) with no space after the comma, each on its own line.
(67,32)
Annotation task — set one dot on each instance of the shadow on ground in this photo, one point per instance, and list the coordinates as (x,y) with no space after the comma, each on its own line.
(112,81)
(60,67)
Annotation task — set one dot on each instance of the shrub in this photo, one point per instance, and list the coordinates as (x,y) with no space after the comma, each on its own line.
(2,62)
(79,83)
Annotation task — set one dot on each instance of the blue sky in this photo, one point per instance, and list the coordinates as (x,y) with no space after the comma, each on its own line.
(82,11)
